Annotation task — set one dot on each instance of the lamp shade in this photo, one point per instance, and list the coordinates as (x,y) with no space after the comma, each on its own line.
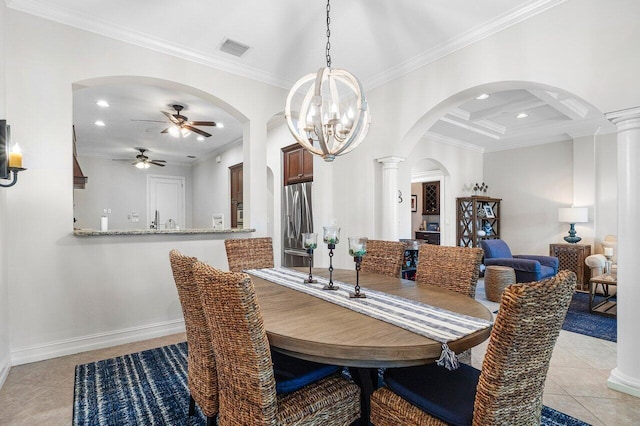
(573,214)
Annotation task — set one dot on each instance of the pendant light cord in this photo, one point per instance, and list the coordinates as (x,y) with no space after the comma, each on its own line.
(328,48)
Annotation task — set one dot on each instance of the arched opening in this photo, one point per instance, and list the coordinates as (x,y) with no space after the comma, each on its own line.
(508,134)
(153,128)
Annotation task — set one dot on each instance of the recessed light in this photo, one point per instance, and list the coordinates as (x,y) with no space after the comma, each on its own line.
(219,125)
(200,138)
(482,97)
(102,103)
(99,123)
(522,115)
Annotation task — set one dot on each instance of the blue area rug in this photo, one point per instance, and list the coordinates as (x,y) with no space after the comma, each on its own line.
(150,388)
(580,320)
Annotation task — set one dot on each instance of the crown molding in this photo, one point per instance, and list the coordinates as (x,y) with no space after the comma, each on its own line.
(72,18)
(118,32)
(446,140)
(472,36)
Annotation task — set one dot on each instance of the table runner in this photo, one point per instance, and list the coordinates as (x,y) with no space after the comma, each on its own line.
(435,323)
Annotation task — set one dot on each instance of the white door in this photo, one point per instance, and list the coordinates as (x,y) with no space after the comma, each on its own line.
(166,196)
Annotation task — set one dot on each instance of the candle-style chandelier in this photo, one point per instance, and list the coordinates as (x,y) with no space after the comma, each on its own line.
(327,112)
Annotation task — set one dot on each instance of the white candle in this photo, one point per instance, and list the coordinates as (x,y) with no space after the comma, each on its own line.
(608,251)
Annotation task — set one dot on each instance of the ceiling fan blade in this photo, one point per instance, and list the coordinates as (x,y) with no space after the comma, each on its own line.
(196,130)
(165,130)
(155,163)
(121,159)
(150,121)
(203,123)
(171,117)
(160,161)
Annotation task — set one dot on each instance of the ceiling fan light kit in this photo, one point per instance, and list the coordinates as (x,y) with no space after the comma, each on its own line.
(331,113)
(142,161)
(181,127)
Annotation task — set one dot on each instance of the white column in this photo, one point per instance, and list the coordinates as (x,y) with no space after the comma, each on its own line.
(626,376)
(390,199)
(254,179)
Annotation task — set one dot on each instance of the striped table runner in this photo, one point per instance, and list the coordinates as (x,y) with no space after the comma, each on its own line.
(435,323)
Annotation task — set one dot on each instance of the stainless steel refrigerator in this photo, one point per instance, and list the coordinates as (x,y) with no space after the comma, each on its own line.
(296,219)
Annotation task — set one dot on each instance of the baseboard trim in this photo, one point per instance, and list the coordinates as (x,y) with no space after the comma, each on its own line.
(5,366)
(95,341)
(623,383)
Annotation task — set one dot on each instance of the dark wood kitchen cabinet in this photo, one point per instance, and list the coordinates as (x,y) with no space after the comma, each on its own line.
(297,164)
(237,211)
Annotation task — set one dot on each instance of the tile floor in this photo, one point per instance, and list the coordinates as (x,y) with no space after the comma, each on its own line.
(42,392)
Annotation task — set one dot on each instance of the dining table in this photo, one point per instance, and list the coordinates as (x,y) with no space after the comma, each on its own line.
(307,327)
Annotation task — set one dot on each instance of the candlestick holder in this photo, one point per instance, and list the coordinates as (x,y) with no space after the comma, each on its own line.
(331,237)
(357,249)
(13,175)
(608,264)
(310,242)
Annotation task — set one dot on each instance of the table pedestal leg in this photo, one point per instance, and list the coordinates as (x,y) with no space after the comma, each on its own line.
(367,379)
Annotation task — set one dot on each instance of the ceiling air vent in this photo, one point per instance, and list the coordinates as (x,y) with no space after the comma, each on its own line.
(233,47)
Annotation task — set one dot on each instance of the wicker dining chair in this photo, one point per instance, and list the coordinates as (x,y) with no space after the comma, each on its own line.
(453,268)
(509,388)
(244,363)
(384,258)
(201,366)
(249,253)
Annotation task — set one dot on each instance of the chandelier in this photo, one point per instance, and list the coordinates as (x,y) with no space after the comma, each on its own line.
(327,112)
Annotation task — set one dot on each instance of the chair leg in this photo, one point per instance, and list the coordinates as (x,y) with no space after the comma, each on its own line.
(192,406)
(211,421)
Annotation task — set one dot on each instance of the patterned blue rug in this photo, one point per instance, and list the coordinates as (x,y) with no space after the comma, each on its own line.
(150,388)
(580,320)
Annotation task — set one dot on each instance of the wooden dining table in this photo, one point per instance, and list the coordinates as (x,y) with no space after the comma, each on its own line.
(307,327)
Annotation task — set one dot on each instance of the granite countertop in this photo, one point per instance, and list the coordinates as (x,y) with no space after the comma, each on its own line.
(190,231)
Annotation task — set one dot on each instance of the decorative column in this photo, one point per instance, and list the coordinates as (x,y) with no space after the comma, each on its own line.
(626,376)
(390,198)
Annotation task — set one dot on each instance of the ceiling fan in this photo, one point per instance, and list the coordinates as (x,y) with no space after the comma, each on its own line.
(142,161)
(181,126)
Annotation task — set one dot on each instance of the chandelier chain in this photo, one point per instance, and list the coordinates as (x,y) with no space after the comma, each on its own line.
(328,48)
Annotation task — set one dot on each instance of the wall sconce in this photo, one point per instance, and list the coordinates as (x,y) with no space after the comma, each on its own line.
(11,164)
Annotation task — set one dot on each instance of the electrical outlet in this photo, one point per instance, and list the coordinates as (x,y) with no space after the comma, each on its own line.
(109,211)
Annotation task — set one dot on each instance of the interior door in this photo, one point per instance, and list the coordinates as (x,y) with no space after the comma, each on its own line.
(166,197)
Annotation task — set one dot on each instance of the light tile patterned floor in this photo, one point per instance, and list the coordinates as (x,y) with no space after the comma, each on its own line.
(42,392)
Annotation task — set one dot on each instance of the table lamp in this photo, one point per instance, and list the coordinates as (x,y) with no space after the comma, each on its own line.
(572,215)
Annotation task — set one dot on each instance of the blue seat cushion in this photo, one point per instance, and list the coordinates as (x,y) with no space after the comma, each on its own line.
(446,395)
(293,373)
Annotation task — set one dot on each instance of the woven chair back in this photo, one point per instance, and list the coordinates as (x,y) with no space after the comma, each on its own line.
(520,347)
(201,367)
(453,268)
(242,349)
(384,258)
(249,253)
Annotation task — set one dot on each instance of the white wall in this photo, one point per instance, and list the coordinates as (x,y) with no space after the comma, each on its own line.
(211,187)
(70,293)
(122,188)
(5,356)
(532,182)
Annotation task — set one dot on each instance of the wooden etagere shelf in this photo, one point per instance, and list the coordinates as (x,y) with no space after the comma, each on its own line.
(473,217)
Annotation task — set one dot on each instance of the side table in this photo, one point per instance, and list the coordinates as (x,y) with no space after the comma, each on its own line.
(602,304)
(496,279)
(571,257)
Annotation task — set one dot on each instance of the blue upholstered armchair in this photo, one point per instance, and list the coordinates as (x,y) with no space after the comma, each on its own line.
(528,267)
